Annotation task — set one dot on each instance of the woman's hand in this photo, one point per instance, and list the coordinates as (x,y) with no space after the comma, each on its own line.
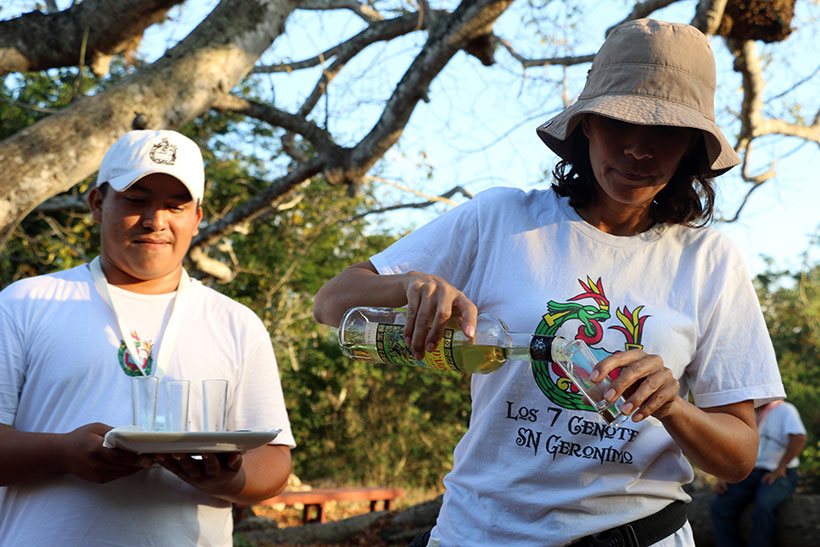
(648,386)
(721,440)
(431,302)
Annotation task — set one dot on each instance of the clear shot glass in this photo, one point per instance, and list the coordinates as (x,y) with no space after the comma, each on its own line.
(175,405)
(577,361)
(144,401)
(214,404)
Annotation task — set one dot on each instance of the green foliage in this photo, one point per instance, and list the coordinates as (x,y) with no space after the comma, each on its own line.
(791,306)
(354,423)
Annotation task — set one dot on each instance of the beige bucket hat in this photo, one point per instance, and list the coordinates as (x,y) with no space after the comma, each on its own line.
(649,72)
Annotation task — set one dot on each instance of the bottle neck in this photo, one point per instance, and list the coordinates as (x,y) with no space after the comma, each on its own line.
(529,347)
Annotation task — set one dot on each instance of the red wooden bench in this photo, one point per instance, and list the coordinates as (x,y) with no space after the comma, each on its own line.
(317,498)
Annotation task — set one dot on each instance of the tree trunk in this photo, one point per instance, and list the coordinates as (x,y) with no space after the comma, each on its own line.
(52,155)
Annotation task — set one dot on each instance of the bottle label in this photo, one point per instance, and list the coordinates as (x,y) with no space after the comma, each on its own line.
(388,338)
(541,348)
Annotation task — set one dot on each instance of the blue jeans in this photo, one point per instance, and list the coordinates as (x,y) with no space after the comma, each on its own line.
(727,508)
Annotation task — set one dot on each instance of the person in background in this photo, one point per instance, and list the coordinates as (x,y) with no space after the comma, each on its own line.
(70,343)
(614,253)
(773,480)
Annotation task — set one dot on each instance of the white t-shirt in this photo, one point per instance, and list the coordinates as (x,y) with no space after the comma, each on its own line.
(538,467)
(782,421)
(61,367)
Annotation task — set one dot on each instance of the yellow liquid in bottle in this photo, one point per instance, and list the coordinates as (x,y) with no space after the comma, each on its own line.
(471,358)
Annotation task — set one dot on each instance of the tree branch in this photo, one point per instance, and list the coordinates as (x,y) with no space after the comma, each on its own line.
(320,138)
(210,266)
(546,61)
(445,197)
(642,9)
(37,41)
(377,32)
(366,12)
(708,16)
(211,233)
(753,123)
(473,18)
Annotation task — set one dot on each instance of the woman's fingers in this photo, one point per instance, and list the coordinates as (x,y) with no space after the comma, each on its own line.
(644,381)
(431,302)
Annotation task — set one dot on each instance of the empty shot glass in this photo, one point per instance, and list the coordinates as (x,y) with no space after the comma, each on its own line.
(214,404)
(144,401)
(577,361)
(175,405)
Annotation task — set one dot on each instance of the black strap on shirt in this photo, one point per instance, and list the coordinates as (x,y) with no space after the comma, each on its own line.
(642,532)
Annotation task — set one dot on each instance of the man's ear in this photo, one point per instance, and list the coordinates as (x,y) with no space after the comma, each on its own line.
(199,214)
(95,201)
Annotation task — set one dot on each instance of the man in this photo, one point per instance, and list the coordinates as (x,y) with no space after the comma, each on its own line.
(71,341)
(774,479)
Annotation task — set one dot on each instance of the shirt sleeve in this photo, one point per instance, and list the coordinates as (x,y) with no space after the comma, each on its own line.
(792,424)
(734,360)
(445,247)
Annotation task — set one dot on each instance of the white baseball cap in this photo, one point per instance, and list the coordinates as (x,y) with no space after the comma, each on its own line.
(140,153)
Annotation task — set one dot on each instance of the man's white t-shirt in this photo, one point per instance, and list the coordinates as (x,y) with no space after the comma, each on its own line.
(62,365)
(782,421)
(537,466)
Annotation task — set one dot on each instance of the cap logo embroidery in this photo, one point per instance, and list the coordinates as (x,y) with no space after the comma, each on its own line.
(164,152)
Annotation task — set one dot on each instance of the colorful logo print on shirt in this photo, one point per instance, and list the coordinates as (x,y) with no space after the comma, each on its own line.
(144,348)
(590,309)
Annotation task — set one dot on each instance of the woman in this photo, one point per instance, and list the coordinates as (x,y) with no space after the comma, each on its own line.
(614,253)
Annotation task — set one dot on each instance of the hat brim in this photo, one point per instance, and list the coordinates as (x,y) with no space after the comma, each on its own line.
(642,111)
(126,181)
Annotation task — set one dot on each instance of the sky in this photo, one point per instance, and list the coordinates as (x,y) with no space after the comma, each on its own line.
(478,131)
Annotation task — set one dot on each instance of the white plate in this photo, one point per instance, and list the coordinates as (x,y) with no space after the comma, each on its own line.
(157,442)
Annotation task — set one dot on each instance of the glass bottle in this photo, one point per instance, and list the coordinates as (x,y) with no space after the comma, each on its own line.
(376,335)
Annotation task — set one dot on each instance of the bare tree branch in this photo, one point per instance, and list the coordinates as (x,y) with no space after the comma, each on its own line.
(210,266)
(471,19)
(708,16)
(417,205)
(546,61)
(642,9)
(37,41)
(794,86)
(753,123)
(377,32)
(211,233)
(736,216)
(366,12)
(320,138)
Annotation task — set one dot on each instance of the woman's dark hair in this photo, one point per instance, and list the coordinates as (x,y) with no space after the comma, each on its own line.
(688,199)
